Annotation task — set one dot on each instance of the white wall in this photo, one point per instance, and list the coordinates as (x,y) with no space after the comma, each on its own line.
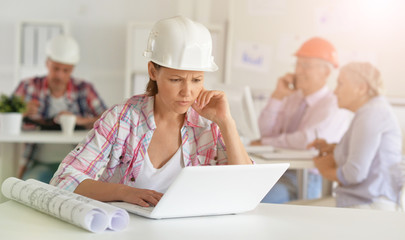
(100,29)
(361,29)
(371,30)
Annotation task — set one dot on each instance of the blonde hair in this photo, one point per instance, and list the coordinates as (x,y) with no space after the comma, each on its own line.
(365,72)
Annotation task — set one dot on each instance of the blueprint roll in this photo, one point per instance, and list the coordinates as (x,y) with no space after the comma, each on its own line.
(49,201)
(118,218)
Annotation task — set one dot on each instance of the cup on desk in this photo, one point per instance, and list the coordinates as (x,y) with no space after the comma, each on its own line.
(67,123)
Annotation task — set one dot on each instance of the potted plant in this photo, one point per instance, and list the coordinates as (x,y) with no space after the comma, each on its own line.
(11,109)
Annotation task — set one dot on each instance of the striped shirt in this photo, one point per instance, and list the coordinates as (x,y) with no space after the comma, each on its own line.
(114,150)
(283,123)
(81,98)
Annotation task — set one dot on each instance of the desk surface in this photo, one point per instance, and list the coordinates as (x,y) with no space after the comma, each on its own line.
(44,137)
(267,221)
(294,164)
(298,159)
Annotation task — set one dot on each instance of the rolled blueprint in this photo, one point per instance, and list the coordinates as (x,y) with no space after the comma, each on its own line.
(118,218)
(72,208)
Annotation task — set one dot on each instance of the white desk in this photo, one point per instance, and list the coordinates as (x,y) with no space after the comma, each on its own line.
(267,221)
(43,137)
(11,148)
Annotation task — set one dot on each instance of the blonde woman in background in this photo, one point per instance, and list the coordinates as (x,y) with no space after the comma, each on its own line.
(365,162)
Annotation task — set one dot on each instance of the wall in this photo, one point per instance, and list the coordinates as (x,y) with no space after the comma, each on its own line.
(100,29)
(367,30)
(371,30)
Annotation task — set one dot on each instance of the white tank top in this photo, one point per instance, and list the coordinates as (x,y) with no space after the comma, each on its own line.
(159,179)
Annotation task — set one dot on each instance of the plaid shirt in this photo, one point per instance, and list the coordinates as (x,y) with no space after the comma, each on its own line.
(80,97)
(114,150)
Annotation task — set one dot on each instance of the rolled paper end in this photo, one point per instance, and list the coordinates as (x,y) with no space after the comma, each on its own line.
(96,221)
(119,220)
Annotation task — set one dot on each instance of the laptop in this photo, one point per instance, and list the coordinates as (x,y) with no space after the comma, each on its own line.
(213,190)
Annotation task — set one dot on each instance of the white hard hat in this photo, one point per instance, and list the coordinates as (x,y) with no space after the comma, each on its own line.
(180,43)
(63,49)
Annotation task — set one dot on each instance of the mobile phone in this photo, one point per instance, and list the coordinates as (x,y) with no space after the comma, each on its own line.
(292,85)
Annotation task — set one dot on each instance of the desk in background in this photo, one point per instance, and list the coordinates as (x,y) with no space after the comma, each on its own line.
(12,146)
(267,221)
(11,150)
(301,161)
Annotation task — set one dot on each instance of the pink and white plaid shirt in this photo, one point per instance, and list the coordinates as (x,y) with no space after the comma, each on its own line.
(80,97)
(285,124)
(114,150)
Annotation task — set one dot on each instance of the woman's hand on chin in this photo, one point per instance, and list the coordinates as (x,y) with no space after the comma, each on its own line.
(213,105)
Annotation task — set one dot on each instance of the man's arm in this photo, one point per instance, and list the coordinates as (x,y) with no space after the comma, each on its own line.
(271,118)
(296,140)
(86,122)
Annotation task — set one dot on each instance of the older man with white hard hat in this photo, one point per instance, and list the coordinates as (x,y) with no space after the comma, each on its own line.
(301,109)
(53,95)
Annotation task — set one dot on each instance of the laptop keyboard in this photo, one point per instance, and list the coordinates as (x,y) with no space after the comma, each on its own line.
(135,207)
(132,207)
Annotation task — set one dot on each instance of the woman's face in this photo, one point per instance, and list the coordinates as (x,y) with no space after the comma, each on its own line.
(347,92)
(177,89)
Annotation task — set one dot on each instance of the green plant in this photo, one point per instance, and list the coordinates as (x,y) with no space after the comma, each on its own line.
(12,104)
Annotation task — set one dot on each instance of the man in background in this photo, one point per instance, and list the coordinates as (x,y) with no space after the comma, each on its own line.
(301,109)
(52,95)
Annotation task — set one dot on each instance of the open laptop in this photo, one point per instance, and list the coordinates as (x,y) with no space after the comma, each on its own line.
(213,190)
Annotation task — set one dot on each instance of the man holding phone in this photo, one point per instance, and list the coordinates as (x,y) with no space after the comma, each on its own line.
(302,107)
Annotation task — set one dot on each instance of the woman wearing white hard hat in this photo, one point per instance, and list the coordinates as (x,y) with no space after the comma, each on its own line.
(136,149)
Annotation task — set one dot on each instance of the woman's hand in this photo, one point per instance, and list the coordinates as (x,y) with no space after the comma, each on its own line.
(326,166)
(323,147)
(213,105)
(141,197)
(110,192)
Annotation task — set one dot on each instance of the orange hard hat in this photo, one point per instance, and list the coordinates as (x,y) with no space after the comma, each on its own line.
(319,48)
